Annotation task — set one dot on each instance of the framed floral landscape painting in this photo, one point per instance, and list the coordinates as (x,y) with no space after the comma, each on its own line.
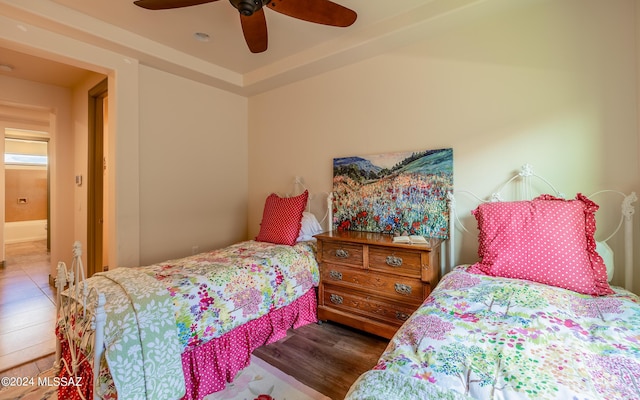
(395,193)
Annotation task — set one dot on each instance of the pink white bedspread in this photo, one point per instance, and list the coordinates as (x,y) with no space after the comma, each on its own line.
(495,338)
(208,294)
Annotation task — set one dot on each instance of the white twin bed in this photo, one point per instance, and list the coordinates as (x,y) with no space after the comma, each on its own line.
(534,318)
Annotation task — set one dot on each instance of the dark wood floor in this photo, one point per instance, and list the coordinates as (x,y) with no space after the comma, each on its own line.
(327,357)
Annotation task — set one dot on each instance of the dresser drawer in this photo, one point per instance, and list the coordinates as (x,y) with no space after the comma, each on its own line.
(368,306)
(342,253)
(397,287)
(395,261)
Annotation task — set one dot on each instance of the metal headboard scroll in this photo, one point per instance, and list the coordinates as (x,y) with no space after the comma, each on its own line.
(77,299)
(627,210)
(526,176)
(325,219)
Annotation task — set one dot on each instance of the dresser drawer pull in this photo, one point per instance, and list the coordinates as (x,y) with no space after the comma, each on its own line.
(342,253)
(403,289)
(335,299)
(402,316)
(335,275)
(394,261)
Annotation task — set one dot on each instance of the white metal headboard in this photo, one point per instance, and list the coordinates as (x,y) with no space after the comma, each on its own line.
(315,202)
(524,178)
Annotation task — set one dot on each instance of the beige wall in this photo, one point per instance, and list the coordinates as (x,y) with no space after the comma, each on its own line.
(25,194)
(552,85)
(193,166)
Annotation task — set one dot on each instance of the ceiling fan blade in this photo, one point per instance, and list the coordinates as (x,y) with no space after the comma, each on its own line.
(319,11)
(254,28)
(167,4)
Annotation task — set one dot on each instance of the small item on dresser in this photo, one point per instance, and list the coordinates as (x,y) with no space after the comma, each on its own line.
(410,239)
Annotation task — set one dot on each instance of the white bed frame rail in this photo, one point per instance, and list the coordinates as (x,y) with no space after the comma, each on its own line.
(524,179)
(76,303)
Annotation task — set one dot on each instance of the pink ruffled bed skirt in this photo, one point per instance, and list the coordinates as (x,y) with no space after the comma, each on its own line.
(209,367)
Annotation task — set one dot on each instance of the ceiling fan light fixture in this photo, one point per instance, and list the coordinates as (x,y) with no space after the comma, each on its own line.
(248,7)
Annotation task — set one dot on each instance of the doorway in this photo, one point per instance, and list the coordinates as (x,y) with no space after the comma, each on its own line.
(26,186)
(98,178)
(27,307)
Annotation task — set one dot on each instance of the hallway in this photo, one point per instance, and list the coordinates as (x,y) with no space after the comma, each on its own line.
(27,305)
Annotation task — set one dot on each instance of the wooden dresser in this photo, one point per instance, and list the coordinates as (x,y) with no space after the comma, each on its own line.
(370,283)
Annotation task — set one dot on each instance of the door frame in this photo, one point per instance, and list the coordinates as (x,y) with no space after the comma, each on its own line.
(95,191)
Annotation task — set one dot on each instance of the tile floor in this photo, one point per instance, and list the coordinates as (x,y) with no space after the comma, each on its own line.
(27,305)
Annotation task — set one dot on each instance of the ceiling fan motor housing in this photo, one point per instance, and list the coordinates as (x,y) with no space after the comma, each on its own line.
(248,7)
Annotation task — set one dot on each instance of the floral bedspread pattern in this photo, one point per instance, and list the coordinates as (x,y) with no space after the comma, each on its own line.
(217,291)
(496,338)
(385,385)
(203,297)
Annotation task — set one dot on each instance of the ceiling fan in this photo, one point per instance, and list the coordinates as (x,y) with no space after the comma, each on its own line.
(252,19)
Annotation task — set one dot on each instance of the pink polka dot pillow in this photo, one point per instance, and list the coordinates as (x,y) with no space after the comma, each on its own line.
(547,240)
(281,219)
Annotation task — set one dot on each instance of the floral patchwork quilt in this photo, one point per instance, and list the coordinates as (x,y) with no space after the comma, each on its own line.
(495,338)
(202,296)
(217,291)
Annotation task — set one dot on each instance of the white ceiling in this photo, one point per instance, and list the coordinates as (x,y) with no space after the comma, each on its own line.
(297,49)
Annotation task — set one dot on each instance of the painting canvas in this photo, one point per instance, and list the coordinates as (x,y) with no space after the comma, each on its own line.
(395,193)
